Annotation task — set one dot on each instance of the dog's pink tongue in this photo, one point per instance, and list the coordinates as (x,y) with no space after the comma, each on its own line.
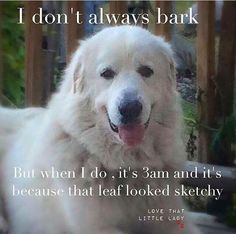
(131,135)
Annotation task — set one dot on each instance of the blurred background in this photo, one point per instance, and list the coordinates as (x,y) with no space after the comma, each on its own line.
(33,57)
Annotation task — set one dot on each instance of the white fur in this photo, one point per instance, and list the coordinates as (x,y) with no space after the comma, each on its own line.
(73,131)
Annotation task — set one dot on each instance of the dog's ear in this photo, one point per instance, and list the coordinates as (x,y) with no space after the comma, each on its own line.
(78,69)
(74,73)
(172,68)
(166,49)
(169,54)
(78,76)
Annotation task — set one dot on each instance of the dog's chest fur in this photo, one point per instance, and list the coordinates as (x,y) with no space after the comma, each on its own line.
(117,209)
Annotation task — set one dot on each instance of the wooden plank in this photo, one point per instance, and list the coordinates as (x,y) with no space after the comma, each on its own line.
(226,72)
(33,57)
(145,11)
(226,182)
(49,53)
(226,62)
(1,62)
(205,76)
(74,30)
(48,72)
(118,7)
(164,29)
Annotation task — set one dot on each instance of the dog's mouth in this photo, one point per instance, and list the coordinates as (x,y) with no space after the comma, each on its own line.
(131,134)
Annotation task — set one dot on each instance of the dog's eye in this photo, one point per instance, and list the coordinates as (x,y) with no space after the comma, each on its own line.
(108,74)
(145,71)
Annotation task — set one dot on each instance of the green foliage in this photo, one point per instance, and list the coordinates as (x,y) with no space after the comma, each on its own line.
(231,214)
(13,54)
(226,133)
(189,109)
(182,6)
(190,115)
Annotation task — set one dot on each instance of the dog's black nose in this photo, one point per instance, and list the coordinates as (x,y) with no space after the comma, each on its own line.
(130,110)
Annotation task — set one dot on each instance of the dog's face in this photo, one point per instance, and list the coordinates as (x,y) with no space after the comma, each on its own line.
(124,79)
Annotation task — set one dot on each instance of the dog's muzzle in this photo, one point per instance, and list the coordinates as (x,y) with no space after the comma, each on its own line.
(131,134)
(130,111)
(131,128)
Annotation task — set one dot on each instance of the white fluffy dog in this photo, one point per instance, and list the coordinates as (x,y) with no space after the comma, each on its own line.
(117,107)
